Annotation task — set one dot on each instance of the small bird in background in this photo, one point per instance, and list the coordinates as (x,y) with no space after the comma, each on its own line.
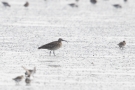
(125,0)
(117,6)
(29,72)
(32,72)
(73,5)
(121,44)
(28,80)
(26,4)
(18,79)
(93,1)
(52,46)
(6,4)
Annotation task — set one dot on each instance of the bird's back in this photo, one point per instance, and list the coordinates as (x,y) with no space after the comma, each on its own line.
(93,1)
(117,6)
(121,44)
(17,78)
(51,46)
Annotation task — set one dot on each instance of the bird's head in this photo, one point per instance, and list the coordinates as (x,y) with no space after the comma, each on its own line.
(124,41)
(60,39)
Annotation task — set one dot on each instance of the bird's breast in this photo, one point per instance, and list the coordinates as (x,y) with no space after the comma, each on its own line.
(57,46)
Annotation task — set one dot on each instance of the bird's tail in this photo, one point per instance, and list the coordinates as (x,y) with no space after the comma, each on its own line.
(39,47)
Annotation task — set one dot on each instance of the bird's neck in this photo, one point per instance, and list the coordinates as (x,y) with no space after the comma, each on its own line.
(59,41)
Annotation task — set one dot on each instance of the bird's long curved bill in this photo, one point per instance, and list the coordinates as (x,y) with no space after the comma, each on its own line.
(65,41)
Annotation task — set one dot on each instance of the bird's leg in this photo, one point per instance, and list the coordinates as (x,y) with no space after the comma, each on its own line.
(50,53)
(54,53)
(17,83)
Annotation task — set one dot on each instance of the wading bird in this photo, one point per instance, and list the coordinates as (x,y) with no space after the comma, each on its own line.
(18,79)
(122,44)
(52,46)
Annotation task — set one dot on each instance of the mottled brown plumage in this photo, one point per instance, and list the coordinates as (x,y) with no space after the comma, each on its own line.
(53,45)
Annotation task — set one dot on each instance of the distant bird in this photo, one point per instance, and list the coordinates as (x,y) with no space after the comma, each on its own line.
(73,5)
(26,4)
(122,44)
(28,80)
(125,0)
(53,45)
(93,1)
(76,0)
(6,4)
(32,72)
(117,6)
(18,79)
(29,72)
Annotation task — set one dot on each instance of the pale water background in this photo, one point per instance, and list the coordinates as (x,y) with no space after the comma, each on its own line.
(91,60)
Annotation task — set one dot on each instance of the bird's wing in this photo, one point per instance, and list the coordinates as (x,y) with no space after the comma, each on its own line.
(49,45)
(121,43)
(18,77)
(26,70)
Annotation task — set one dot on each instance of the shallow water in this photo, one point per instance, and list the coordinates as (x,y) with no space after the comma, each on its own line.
(91,60)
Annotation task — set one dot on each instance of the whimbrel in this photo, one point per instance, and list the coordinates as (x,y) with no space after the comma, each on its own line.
(26,4)
(6,4)
(117,6)
(93,1)
(52,46)
(122,44)
(18,79)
